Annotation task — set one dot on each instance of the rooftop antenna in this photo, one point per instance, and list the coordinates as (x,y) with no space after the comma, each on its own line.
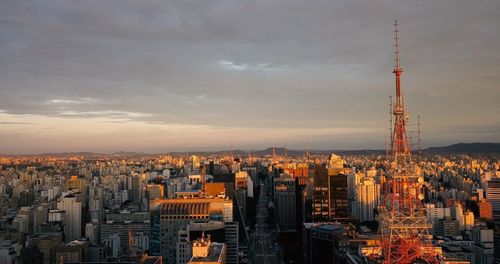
(308,152)
(250,156)
(386,148)
(390,127)
(419,140)
(231,157)
(274,154)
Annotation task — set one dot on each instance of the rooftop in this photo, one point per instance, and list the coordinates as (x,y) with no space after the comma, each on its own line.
(215,254)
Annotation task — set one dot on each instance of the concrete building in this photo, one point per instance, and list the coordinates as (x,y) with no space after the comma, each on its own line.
(330,201)
(284,202)
(493,196)
(483,245)
(485,210)
(47,244)
(133,228)
(231,232)
(219,232)
(325,243)
(113,243)
(92,233)
(446,227)
(367,199)
(74,251)
(468,220)
(168,216)
(207,252)
(73,217)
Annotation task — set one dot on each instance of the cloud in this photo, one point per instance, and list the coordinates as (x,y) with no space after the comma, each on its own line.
(14,123)
(229,65)
(251,64)
(107,114)
(72,101)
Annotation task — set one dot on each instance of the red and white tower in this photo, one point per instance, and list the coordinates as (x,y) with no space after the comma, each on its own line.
(403,225)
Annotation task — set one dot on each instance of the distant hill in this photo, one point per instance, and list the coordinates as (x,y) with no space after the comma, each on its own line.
(128,154)
(466,148)
(460,148)
(294,152)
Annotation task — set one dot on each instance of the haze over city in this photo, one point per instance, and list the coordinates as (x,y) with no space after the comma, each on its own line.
(183,75)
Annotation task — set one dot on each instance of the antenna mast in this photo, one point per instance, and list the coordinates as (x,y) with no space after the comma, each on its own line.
(419,140)
(403,223)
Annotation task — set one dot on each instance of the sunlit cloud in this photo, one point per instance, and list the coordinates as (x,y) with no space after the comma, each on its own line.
(232,66)
(106,113)
(72,101)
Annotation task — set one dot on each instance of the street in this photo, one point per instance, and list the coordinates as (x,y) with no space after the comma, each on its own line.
(263,247)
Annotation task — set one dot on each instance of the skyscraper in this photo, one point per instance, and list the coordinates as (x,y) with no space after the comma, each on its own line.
(73,217)
(367,199)
(330,193)
(493,195)
(284,199)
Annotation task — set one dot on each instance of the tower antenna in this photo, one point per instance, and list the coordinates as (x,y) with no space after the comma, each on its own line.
(403,223)
(419,140)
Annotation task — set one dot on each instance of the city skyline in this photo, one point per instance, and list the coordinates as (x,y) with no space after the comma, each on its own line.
(157,77)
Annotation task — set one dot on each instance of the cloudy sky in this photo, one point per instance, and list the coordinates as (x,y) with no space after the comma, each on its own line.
(190,74)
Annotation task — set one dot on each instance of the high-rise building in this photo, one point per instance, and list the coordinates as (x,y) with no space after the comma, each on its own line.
(135,188)
(325,243)
(47,243)
(195,163)
(338,199)
(231,233)
(168,216)
(284,202)
(241,200)
(113,243)
(96,204)
(483,245)
(485,209)
(92,233)
(330,193)
(446,227)
(73,217)
(496,242)
(468,220)
(367,199)
(133,229)
(74,183)
(493,196)
(320,197)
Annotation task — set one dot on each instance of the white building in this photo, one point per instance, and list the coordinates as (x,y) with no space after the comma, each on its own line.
(367,199)
(73,218)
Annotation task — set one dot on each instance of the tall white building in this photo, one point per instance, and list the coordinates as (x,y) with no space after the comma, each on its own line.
(73,217)
(367,199)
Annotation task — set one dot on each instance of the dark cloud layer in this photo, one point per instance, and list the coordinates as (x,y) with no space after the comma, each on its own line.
(259,64)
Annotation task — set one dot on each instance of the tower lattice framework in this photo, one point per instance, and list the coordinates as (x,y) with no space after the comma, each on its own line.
(403,224)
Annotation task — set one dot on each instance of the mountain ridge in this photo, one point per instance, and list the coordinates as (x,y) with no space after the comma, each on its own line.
(458,148)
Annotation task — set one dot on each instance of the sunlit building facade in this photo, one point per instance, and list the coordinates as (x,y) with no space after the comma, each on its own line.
(168,216)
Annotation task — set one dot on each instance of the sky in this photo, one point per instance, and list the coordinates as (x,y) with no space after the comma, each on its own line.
(172,75)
